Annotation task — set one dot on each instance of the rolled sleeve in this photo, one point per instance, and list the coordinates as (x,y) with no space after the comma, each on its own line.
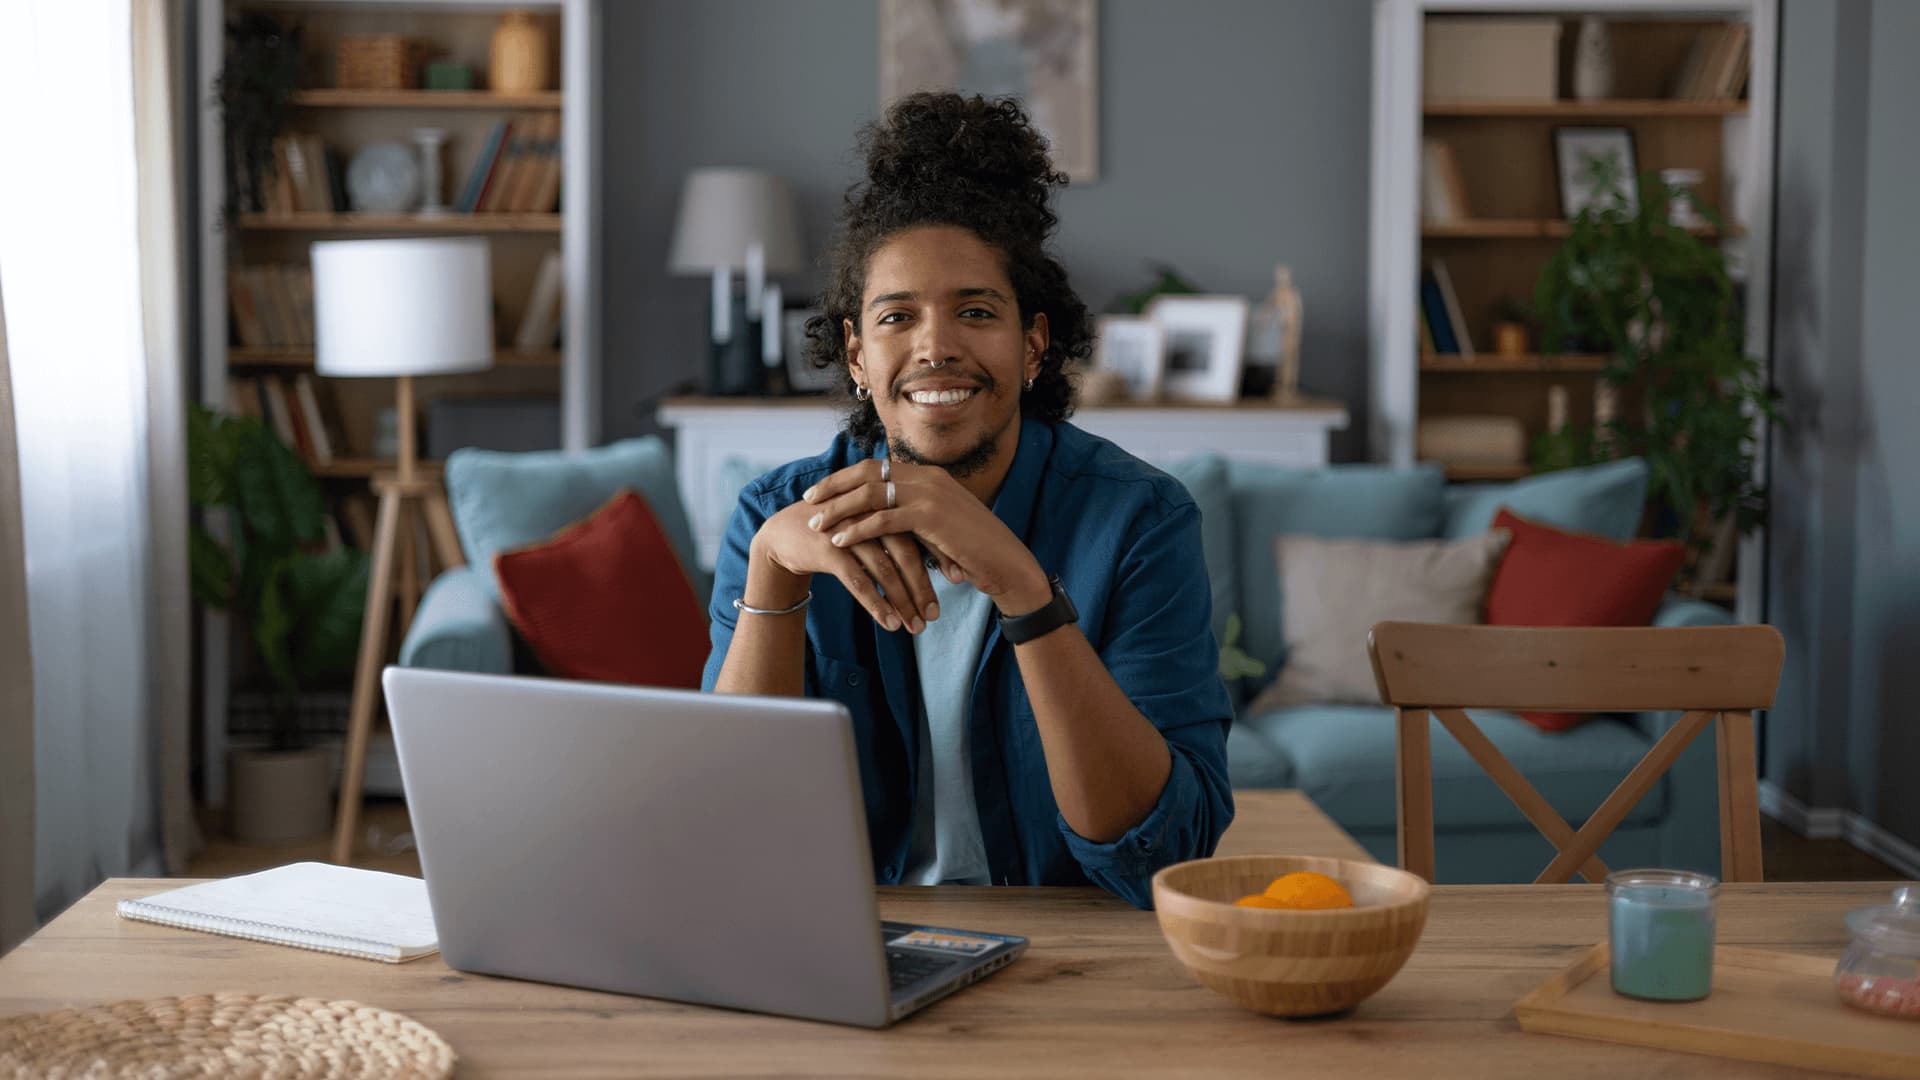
(730,580)
(1158,645)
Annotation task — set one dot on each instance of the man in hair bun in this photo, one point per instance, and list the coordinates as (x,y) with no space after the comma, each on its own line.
(1015,612)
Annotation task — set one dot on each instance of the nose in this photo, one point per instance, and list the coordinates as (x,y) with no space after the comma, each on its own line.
(937,343)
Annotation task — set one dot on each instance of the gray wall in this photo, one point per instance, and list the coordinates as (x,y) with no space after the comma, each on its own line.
(1844,580)
(1233,135)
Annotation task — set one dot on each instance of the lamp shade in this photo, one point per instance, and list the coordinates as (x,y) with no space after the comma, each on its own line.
(723,211)
(402,307)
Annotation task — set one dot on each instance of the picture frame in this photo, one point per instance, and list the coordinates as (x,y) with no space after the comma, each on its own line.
(1591,164)
(1043,52)
(1134,348)
(802,376)
(1205,338)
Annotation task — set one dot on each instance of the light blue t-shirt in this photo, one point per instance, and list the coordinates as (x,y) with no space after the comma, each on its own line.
(948,848)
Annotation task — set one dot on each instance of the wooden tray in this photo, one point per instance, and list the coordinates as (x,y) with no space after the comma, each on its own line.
(1777,1008)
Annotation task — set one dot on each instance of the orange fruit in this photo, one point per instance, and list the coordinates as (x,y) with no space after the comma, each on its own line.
(1258,900)
(1307,891)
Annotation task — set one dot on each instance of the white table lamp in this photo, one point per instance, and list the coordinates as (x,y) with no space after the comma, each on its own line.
(397,309)
(736,219)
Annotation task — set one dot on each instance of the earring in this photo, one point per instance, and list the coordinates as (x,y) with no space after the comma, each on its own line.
(861,393)
(1029,384)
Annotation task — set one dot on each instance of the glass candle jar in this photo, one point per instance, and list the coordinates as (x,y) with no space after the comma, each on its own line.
(1881,969)
(1660,933)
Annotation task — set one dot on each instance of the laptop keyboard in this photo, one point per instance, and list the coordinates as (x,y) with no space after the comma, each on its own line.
(906,968)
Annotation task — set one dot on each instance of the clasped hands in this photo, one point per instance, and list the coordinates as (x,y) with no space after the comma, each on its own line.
(883,553)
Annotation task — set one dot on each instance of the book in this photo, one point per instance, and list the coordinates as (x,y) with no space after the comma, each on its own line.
(1435,311)
(1442,193)
(246,321)
(1455,315)
(542,152)
(546,193)
(279,412)
(297,419)
(308,403)
(308,905)
(505,177)
(540,319)
(483,164)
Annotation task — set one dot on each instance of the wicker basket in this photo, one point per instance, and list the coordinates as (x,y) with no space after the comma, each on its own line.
(377,62)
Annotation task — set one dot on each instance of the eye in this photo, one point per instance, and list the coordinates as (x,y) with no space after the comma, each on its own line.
(983,312)
(888,318)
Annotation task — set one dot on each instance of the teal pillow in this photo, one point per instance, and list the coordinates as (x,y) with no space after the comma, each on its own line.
(1372,502)
(1604,499)
(1205,478)
(506,500)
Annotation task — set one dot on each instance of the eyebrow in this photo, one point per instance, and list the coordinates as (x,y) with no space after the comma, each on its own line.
(958,294)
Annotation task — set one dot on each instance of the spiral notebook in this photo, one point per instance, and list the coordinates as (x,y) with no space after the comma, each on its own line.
(309,905)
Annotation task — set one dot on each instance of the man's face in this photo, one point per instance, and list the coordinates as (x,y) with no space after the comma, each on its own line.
(939,294)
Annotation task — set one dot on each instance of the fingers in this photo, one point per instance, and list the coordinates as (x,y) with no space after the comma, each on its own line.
(897,606)
(865,499)
(906,555)
(859,583)
(945,563)
(871,527)
(844,480)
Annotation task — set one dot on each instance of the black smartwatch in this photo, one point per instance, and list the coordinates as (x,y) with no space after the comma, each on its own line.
(1057,612)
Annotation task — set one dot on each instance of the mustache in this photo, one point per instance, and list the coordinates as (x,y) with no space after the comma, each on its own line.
(904,386)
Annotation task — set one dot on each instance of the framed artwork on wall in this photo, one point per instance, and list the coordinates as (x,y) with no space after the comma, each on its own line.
(1205,339)
(1043,52)
(1134,348)
(1594,167)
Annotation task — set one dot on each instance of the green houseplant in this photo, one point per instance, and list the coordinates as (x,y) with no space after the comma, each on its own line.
(1656,299)
(257,79)
(301,606)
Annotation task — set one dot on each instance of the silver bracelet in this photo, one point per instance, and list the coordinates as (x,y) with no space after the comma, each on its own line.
(742,605)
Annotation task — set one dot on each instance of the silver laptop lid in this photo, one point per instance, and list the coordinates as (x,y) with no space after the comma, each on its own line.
(672,844)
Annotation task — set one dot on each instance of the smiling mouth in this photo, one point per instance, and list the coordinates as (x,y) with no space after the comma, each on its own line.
(942,398)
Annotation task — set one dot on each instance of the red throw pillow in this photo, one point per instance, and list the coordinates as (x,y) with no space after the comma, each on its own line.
(606,600)
(1552,577)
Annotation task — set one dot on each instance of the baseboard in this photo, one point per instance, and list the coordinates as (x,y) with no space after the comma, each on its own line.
(1830,823)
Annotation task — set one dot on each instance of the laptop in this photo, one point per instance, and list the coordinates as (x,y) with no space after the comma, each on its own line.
(670,844)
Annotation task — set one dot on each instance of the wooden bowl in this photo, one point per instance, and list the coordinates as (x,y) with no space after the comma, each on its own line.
(1289,963)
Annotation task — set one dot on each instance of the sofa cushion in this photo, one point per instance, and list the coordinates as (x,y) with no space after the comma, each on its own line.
(1342,756)
(1374,502)
(1333,591)
(505,500)
(606,601)
(1205,478)
(1604,499)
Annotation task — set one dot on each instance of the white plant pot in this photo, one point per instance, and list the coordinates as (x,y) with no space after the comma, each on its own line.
(279,796)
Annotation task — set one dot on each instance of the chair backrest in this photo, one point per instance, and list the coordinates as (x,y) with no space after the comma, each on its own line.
(1717,675)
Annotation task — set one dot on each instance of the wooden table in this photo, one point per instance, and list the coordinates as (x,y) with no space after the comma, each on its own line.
(1097,994)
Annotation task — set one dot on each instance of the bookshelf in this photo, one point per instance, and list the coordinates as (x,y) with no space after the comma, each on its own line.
(1494,252)
(345,120)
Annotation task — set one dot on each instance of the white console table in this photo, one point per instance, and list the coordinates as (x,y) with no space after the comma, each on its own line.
(723,443)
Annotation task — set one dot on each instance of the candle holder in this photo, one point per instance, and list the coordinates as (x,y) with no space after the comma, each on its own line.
(1660,930)
(430,140)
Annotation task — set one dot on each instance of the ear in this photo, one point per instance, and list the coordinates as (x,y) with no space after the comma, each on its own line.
(854,367)
(1037,340)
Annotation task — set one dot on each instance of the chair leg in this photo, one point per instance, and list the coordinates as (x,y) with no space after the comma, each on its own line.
(366,677)
(1414,769)
(1739,799)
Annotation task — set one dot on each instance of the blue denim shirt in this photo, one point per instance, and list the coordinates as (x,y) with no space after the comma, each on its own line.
(1125,540)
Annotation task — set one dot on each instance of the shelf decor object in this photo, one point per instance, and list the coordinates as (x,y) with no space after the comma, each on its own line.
(397,308)
(745,220)
(518,59)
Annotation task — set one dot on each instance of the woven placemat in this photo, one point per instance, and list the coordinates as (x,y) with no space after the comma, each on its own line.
(223,1035)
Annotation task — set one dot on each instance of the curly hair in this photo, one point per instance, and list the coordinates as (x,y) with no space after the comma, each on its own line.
(944,159)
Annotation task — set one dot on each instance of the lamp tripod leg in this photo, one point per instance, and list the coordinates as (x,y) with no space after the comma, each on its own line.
(366,678)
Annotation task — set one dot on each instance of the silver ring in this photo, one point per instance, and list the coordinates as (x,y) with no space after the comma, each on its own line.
(886,469)
(890,500)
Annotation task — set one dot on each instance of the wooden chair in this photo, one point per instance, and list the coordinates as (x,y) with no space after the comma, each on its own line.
(1718,675)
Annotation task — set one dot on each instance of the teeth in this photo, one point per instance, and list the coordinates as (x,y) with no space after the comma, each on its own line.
(939,397)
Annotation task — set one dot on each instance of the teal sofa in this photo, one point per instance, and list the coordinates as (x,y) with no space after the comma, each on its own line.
(1342,755)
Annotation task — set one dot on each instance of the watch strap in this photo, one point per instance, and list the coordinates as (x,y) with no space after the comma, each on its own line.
(1054,614)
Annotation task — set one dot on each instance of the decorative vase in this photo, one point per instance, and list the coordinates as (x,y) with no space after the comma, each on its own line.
(429,141)
(278,796)
(1509,339)
(1592,60)
(519,55)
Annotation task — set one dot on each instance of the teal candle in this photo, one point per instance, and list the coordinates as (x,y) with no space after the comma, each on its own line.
(1660,934)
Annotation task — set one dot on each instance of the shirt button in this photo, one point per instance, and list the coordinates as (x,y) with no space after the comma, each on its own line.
(890,874)
(853,679)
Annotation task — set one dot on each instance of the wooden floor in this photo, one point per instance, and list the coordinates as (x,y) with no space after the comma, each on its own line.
(385,844)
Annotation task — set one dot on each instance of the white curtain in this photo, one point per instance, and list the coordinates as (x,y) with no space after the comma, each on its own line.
(103,582)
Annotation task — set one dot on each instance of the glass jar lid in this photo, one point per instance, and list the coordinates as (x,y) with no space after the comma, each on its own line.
(1894,927)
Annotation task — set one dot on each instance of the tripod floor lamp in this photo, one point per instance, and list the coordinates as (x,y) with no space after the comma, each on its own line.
(397,309)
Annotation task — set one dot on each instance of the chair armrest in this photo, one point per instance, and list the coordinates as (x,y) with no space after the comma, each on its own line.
(459,627)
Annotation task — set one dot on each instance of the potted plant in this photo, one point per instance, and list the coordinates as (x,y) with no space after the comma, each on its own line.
(1656,299)
(261,71)
(301,606)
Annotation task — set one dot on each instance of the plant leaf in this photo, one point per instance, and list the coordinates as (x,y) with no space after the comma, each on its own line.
(328,593)
(209,568)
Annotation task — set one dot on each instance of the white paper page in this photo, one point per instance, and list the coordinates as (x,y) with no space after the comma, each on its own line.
(320,898)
